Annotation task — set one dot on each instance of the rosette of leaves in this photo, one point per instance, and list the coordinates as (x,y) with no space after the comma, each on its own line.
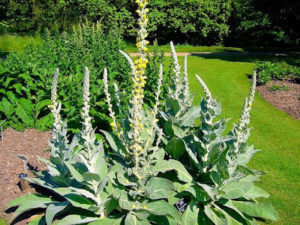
(223,189)
(79,191)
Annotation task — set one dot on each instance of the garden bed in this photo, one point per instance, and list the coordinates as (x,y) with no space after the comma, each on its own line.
(284,95)
(31,143)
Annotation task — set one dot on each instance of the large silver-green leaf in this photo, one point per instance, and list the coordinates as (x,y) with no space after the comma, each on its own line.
(262,210)
(158,188)
(53,209)
(28,202)
(175,148)
(107,221)
(169,165)
(131,220)
(190,216)
(256,192)
(235,190)
(189,117)
(162,208)
(75,219)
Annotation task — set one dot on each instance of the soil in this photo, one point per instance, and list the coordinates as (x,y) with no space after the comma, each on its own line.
(285,100)
(31,144)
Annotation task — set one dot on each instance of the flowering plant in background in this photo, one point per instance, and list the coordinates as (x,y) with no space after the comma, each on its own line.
(139,179)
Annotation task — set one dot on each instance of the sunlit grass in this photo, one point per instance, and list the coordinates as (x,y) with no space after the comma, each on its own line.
(130,47)
(11,43)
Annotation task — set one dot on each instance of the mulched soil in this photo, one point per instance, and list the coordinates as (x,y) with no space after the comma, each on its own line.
(287,101)
(30,143)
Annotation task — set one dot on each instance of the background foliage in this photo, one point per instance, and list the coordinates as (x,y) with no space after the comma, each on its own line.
(230,22)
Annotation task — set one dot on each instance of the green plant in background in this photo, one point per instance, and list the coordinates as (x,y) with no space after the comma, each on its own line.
(26,77)
(268,71)
(279,88)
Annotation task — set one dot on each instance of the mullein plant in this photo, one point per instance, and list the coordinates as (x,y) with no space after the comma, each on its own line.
(137,158)
(77,177)
(127,187)
(222,190)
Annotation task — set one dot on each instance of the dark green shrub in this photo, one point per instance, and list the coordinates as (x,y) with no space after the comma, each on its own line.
(276,71)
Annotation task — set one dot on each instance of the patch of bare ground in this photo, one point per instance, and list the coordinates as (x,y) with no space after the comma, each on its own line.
(285,100)
(31,144)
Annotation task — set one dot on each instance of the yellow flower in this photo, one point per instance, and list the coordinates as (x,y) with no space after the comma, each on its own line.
(137,1)
(138,45)
(133,206)
(141,126)
(140,23)
(146,10)
(50,106)
(147,42)
(144,17)
(140,148)
(141,5)
(148,131)
(145,49)
(135,85)
(145,207)
(250,104)
(127,181)
(101,217)
(130,125)
(138,11)
(112,124)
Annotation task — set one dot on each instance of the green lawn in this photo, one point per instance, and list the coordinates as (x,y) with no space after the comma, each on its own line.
(275,132)
(130,47)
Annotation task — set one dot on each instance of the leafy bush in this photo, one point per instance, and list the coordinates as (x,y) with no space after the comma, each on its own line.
(276,71)
(26,77)
(136,181)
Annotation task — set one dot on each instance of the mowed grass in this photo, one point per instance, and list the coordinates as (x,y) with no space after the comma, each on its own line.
(12,43)
(274,132)
(3,222)
(130,47)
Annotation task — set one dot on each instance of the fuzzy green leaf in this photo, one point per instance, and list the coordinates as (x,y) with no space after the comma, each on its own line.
(75,219)
(24,111)
(262,210)
(107,221)
(165,166)
(53,209)
(158,188)
(7,108)
(190,216)
(162,208)
(175,148)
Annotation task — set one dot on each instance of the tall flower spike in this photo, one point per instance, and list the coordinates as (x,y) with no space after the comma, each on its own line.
(186,82)
(177,78)
(205,88)
(55,107)
(241,131)
(87,125)
(108,100)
